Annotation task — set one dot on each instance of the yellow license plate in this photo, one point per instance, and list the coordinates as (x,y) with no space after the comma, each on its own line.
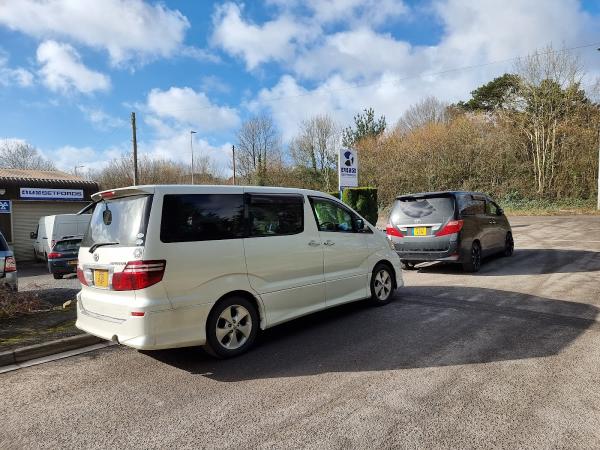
(101,278)
(420,231)
(73,263)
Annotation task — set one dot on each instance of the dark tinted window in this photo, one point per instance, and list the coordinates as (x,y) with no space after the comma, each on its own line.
(470,206)
(331,216)
(202,217)
(275,215)
(491,209)
(71,245)
(410,210)
(3,244)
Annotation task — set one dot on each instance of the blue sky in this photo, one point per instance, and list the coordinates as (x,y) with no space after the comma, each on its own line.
(72,71)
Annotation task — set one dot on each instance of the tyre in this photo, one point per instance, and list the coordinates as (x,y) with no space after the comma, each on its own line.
(382,285)
(231,327)
(473,263)
(408,265)
(57,276)
(509,245)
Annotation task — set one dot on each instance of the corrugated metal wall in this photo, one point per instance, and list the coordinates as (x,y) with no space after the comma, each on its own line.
(26,216)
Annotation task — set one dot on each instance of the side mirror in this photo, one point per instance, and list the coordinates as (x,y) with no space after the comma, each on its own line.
(499,211)
(33,235)
(361,225)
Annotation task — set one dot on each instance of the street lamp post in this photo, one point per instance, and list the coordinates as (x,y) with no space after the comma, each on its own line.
(192,149)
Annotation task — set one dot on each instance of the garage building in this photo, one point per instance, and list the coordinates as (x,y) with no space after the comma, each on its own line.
(27,195)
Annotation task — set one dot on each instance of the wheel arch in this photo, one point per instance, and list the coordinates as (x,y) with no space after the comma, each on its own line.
(390,266)
(248,296)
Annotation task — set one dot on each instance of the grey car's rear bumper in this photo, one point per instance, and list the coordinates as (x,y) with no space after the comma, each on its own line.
(451,252)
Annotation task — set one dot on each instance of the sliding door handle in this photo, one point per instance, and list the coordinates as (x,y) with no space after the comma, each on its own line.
(314,243)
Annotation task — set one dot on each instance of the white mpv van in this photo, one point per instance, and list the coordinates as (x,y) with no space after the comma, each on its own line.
(174,266)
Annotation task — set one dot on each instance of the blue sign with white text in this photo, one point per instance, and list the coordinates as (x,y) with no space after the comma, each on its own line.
(5,206)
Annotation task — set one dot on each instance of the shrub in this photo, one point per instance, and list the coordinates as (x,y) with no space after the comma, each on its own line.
(363,200)
(13,304)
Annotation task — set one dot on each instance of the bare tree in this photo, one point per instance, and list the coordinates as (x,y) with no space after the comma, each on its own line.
(428,110)
(259,146)
(317,146)
(549,92)
(119,172)
(20,155)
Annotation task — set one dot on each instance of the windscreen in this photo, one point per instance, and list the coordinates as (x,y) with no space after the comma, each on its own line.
(72,245)
(424,210)
(120,221)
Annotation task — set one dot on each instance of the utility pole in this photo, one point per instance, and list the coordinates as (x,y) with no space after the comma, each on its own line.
(233,158)
(135,162)
(192,149)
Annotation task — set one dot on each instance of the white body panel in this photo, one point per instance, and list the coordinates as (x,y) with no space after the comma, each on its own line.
(53,228)
(287,275)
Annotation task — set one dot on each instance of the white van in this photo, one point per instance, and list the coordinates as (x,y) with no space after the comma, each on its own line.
(53,228)
(174,266)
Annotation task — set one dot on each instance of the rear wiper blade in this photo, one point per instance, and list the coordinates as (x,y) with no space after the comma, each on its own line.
(101,244)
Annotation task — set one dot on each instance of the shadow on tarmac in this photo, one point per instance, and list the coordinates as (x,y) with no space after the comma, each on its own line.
(527,262)
(425,326)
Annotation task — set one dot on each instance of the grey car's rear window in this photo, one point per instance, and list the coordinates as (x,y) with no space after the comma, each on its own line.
(409,210)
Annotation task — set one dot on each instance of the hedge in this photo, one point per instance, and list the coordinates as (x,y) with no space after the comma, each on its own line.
(361,199)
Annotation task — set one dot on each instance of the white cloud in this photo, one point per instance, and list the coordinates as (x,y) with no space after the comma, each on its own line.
(185,106)
(13,76)
(354,12)
(274,40)
(101,119)
(125,28)
(62,70)
(356,53)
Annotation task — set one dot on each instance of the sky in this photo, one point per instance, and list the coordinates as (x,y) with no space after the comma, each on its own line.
(72,71)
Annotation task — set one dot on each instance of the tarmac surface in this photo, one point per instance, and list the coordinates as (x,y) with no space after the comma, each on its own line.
(508,357)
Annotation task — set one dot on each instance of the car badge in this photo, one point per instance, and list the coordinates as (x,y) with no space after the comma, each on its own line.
(417,220)
(96,257)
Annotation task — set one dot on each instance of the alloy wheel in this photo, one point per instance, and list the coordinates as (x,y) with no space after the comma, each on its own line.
(234,327)
(383,285)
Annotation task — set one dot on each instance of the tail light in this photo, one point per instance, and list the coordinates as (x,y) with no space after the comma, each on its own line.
(453,226)
(10,265)
(391,230)
(54,255)
(139,275)
(81,277)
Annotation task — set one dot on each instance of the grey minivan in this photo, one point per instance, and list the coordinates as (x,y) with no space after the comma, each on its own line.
(453,226)
(8,266)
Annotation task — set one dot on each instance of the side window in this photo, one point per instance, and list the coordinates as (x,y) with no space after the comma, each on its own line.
(332,217)
(202,217)
(275,215)
(470,206)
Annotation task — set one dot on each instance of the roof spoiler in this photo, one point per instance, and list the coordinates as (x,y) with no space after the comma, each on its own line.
(121,192)
(423,196)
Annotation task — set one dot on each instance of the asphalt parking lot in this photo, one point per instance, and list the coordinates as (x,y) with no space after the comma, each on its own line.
(508,357)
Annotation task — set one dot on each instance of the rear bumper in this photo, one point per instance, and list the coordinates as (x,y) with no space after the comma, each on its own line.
(62,266)
(429,256)
(155,330)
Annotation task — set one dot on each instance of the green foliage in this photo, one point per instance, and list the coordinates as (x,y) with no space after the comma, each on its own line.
(493,95)
(363,200)
(365,126)
(335,194)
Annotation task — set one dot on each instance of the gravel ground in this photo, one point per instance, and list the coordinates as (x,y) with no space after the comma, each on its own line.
(504,358)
